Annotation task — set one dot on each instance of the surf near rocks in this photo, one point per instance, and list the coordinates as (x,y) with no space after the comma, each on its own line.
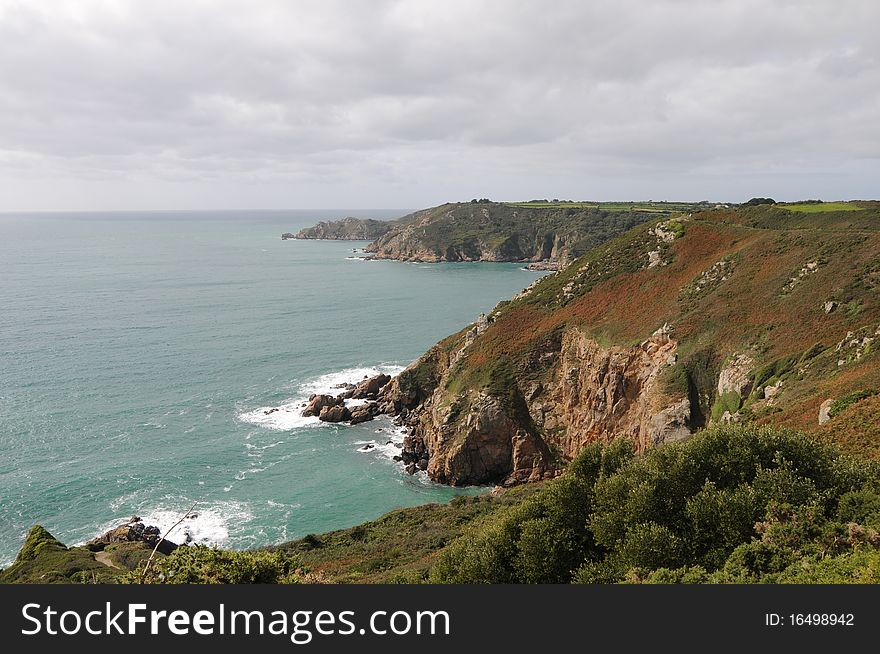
(330,408)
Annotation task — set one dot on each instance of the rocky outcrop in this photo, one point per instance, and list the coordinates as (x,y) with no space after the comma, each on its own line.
(736,376)
(347,229)
(133,531)
(602,392)
(332,408)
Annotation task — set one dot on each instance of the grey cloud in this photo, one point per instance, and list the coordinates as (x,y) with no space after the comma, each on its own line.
(409,103)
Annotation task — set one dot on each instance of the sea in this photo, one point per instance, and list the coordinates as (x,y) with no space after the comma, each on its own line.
(142,353)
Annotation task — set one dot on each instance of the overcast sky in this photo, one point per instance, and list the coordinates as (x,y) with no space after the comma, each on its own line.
(262,104)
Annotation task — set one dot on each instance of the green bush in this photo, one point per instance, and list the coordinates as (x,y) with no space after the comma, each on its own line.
(736,503)
(198,564)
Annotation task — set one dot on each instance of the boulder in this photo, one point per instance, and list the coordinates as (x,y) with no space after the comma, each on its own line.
(369,388)
(363,413)
(334,413)
(825,411)
(317,403)
(411,469)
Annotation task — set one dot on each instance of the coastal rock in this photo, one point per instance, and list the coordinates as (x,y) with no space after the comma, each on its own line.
(369,388)
(133,531)
(286,236)
(363,413)
(547,265)
(334,413)
(317,403)
(772,390)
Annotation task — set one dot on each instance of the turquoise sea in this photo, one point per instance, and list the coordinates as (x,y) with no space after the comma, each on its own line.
(139,352)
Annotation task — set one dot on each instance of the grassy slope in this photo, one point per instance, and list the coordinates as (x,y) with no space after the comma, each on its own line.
(400,546)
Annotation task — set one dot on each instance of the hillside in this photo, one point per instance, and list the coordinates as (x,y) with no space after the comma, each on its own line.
(763,314)
(492,231)
(346,229)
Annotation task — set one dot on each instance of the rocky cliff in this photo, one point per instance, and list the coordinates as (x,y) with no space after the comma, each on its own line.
(347,229)
(758,314)
(492,231)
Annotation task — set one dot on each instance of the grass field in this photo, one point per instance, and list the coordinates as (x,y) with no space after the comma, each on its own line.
(811,207)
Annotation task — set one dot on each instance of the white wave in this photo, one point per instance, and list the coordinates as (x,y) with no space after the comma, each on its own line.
(330,382)
(387,443)
(288,416)
(210,525)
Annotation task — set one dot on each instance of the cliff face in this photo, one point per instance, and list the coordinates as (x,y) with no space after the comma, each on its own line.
(582,393)
(725,316)
(501,232)
(347,229)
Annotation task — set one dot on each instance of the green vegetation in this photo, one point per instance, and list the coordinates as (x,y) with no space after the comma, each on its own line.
(821,207)
(843,403)
(207,565)
(398,547)
(733,504)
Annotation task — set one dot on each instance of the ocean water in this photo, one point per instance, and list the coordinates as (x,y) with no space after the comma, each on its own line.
(140,351)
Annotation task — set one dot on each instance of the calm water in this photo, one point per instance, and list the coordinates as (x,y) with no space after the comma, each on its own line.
(139,351)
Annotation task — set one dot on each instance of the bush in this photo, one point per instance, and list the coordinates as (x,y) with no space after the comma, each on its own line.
(198,564)
(736,503)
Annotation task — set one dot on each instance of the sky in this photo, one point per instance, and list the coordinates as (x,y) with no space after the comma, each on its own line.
(261,104)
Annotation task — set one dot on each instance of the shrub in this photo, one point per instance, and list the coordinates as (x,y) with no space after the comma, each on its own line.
(736,503)
(198,564)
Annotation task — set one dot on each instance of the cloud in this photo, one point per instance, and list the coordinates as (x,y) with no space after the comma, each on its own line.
(349,104)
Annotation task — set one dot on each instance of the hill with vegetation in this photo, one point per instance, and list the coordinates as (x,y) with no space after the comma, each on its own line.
(762,314)
(346,229)
(494,231)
